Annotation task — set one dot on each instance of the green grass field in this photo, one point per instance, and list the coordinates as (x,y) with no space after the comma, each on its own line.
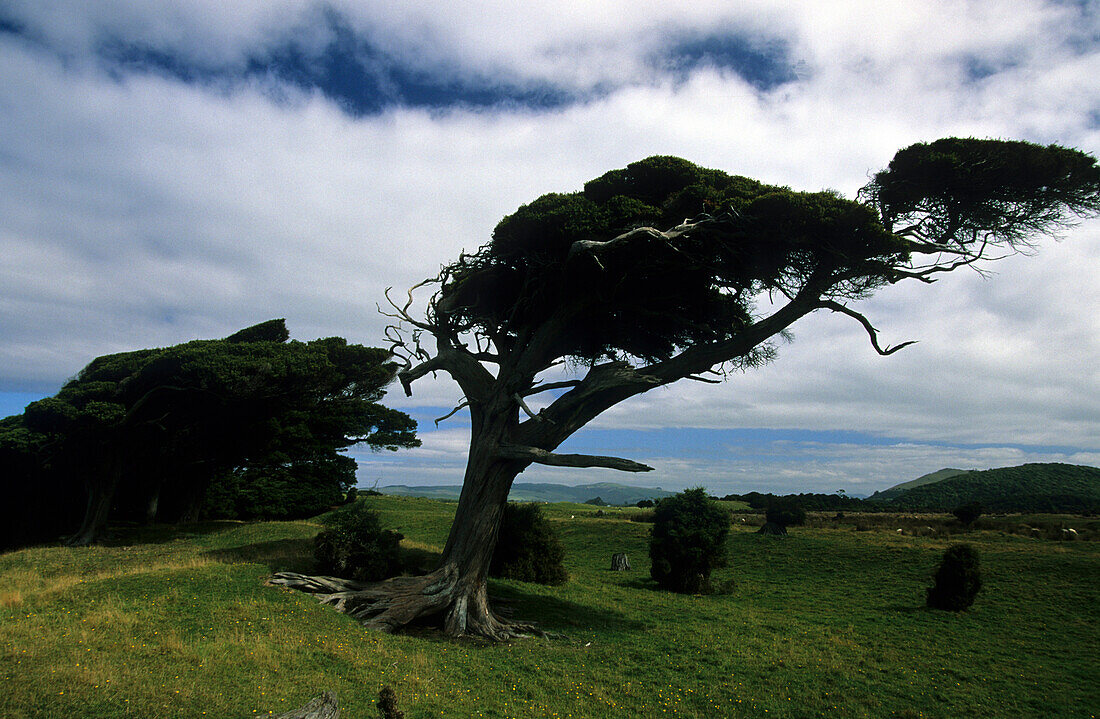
(826,622)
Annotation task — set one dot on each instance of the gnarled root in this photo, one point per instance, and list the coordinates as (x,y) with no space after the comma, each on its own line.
(396,603)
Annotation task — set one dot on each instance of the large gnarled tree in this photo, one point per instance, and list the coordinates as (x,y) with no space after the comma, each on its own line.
(616,282)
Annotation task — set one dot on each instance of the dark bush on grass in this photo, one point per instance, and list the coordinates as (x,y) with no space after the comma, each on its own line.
(527,548)
(957,581)
(354,545)
(687,541)
(786,514)
(967,513)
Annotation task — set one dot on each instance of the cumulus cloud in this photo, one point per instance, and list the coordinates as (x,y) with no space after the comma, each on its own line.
(139,207)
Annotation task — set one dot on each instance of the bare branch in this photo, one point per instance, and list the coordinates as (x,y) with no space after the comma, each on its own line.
(453,412)
(410,375)
(540,388)
(402,313)
(541,456)
(871,331)
(525,408)
(594,248)
(697,378)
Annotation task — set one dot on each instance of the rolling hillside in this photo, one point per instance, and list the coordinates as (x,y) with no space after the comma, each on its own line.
(898,489)
(1028,487)
(609,492)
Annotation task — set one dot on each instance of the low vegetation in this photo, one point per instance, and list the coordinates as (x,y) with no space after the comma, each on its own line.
(958,579)
(528,548)
(354,545)
(827,622)
(688,542)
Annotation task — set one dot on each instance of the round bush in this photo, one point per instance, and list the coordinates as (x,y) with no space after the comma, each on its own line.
(527,547)
(785,514)
(687,541)
(968,513)
(354,545)
(957,581)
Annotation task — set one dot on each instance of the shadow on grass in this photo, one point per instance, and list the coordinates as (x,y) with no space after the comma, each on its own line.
(280,555)
(557,615)
(124,534)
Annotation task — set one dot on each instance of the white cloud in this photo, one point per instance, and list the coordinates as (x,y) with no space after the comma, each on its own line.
(144,211)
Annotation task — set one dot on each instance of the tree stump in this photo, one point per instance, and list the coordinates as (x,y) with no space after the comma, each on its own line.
(387,704)
(620,563)
(324,706)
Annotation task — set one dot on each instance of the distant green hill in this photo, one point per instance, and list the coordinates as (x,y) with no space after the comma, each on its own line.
(898,489)
(609,492)
(1026,488)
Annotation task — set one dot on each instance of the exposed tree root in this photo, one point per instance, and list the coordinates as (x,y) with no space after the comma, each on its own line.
(391,605)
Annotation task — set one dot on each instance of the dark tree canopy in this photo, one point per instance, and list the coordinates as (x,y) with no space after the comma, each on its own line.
(251,415)
(663,271)
(627,290)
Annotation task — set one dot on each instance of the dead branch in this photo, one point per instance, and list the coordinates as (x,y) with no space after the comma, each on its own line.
(540,388)
(872,333)
(452,413)
(541,456)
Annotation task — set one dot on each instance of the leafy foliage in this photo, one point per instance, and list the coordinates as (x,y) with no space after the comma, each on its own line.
(354,545)
(687,541)
(786,513)
(964,189)
(957,581)
(664,299)
(258,419)
(527,548)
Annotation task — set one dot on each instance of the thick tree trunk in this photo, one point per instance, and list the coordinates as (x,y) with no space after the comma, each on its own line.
(101,494)
(152,503)
(454,596)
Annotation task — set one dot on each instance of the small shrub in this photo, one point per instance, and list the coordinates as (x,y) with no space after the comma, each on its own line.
(957,581)
(786,514)
(354,545)
(527,548)
(687,541)
(967,513)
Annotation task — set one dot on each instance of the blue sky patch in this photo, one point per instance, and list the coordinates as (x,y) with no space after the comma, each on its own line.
(349,70)
(764,65)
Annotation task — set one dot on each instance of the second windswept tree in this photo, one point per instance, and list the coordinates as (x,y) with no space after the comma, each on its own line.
(664,271)
(252,411)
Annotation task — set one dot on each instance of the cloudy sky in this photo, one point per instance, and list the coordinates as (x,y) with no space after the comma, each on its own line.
(179,169)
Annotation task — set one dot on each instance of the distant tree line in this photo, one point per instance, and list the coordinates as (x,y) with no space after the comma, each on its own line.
(249,426)
(810,502)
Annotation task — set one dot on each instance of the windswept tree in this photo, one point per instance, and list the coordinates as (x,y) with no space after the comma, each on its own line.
(254,411)
(614,282)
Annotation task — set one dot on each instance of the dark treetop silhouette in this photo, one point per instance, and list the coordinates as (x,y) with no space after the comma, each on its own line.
(616,282)
(133,426)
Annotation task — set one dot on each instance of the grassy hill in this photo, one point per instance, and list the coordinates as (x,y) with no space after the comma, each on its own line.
(899,489)
(827,622)
(609,492)
(1028,487)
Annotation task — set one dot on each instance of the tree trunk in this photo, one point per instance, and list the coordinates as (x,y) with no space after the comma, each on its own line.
(101,494)
(152,503)
(455,595)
